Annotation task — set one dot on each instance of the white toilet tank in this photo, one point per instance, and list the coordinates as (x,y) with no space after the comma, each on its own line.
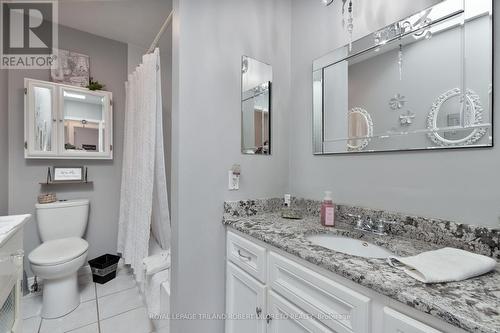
(62,219)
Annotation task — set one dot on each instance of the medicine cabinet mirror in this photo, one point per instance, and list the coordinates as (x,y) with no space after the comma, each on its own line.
(256,88)
(66,122)
(424,82)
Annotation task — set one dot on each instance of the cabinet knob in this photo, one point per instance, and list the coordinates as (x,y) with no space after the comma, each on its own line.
(54,119)
(258,311)
(269,319)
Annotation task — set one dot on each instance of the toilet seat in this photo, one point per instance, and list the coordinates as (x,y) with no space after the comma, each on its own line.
(58,251)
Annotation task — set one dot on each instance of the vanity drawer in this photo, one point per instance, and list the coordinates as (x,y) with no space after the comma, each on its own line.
(287,318)
(247,255)
(396,322)
(340,308)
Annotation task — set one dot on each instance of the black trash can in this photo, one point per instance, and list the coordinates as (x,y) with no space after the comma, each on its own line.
(104,268)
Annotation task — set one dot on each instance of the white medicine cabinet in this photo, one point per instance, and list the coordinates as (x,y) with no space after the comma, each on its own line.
(67,122)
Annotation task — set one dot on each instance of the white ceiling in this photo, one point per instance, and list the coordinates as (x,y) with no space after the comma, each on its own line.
(130,21)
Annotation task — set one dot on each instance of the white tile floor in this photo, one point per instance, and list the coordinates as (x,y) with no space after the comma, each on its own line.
(116,306)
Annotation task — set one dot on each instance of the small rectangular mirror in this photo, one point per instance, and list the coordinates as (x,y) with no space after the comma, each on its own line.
(256,87)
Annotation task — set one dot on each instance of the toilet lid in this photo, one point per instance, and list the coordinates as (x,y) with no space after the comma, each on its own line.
(58,251)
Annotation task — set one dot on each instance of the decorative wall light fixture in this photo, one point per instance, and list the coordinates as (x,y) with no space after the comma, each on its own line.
(349,27)
(400,62)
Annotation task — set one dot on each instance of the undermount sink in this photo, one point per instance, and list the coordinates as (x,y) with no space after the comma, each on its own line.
(355,247)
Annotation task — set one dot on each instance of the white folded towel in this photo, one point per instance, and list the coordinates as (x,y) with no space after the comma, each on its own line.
(444,265)
(156,263)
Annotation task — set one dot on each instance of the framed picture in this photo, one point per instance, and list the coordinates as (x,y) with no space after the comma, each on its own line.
(71,68)
(65,174)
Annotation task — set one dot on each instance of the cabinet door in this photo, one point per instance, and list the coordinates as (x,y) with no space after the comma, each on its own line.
(395,322)
(284,317)
(245,302)
(85,123)
(40,114)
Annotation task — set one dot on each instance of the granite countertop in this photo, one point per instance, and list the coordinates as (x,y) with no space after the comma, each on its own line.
(473,305)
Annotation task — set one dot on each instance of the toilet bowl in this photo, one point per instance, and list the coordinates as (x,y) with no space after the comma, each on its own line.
(63,251)
(57,263)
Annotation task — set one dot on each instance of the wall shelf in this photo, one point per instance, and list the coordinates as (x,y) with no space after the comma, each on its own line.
(66,182)
(84,181)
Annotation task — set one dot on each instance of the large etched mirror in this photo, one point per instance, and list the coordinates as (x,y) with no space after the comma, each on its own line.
(424,82)
(256,88)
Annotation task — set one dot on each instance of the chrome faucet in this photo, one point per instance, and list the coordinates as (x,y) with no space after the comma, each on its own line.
(369,225)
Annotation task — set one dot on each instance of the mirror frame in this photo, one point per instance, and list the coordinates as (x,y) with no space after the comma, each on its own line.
(372,41)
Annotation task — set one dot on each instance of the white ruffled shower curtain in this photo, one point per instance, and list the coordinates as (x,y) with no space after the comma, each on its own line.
(144,210)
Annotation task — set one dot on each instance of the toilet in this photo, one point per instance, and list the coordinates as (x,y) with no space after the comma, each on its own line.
(63,251)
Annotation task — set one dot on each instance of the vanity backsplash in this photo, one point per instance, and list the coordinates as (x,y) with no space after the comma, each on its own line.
(477,239)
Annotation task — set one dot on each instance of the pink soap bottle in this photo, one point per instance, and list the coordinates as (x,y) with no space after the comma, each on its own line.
(328,210)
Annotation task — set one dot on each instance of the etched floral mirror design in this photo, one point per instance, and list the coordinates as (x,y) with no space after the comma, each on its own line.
(360,129)
(455,119)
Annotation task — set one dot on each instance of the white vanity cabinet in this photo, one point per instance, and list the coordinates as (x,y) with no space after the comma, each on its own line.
(11,268)
(67,122)
(282,294)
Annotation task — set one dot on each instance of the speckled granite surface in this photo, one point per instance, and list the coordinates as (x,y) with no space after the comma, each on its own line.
(473,305)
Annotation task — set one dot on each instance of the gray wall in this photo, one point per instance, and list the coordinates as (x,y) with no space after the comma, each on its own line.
(4,144)
(458,184)
(108,61)
(210,36)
